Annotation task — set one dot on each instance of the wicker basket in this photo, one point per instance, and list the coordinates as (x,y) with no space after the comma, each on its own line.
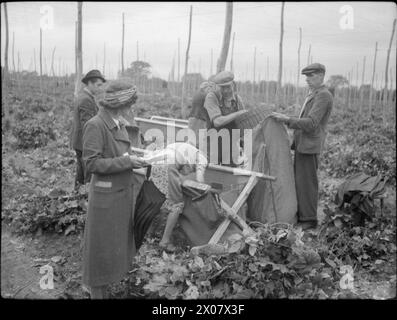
(252,118)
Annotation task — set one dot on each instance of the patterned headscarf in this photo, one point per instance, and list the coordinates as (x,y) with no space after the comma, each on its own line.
(118,94)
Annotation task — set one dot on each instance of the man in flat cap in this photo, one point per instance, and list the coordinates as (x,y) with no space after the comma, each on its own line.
(309,136)
(85,109)
(224,105)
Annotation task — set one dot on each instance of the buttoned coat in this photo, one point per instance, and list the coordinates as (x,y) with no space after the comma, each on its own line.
(109,241)
(85,108)
(311,129)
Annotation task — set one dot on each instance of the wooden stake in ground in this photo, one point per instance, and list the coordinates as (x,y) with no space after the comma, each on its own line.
(231,56)
(280,57)
(183,107)
(34,60)
(384,104)
(122,48)
(355,96)
(13,57)
(267,80)
(41,53)
(52,62)
(226,38)
(179,61)
(362,88)
(391,95)
(372,82)
(5,81)
(79,56)
(299,65)
(41,61)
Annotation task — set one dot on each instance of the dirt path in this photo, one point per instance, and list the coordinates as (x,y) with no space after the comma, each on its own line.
(22,257)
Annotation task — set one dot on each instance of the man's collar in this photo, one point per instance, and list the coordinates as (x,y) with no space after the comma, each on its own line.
(314,90)
(89,92)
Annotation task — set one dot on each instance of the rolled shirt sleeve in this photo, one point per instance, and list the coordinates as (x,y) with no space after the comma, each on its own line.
(211,104)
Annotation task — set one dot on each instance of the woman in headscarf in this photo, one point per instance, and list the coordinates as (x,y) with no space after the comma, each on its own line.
(108,237)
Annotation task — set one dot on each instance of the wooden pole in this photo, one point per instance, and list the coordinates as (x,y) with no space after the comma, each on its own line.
(391,95)
(226,38)
(5,81)
(18,62)
(376,90)
(362,88)
(122,47)
(52,62)
(137,51)
(13,47)
(41,61)
(231,57)
(34,60)
(299,65)
(183,107)
(179,61)
(384,104)
(355,93)
(267,80)
(280,58)
(372,82)
(79,56)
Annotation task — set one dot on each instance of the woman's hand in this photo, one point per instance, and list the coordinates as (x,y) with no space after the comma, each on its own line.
(138,162)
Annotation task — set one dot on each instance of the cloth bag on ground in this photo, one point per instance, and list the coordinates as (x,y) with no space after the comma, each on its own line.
(360,190)
(201,217)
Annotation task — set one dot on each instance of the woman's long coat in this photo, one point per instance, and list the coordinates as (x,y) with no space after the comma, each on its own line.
(108,236)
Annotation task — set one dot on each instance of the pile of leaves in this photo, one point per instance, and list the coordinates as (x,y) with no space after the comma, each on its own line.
(54,212)
(274,262)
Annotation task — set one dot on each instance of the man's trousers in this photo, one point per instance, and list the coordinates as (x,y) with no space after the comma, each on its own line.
(306,182)
(79,178)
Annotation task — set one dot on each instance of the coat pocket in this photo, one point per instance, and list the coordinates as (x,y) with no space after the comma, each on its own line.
(106,197)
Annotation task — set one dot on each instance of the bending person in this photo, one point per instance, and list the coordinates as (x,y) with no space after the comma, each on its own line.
(182,159)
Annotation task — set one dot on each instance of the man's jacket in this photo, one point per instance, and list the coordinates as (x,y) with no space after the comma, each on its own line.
(85,109)
(310,130)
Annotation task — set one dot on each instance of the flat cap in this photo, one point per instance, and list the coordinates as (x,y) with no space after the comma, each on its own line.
(91,75)
(314,68)
(224,78)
